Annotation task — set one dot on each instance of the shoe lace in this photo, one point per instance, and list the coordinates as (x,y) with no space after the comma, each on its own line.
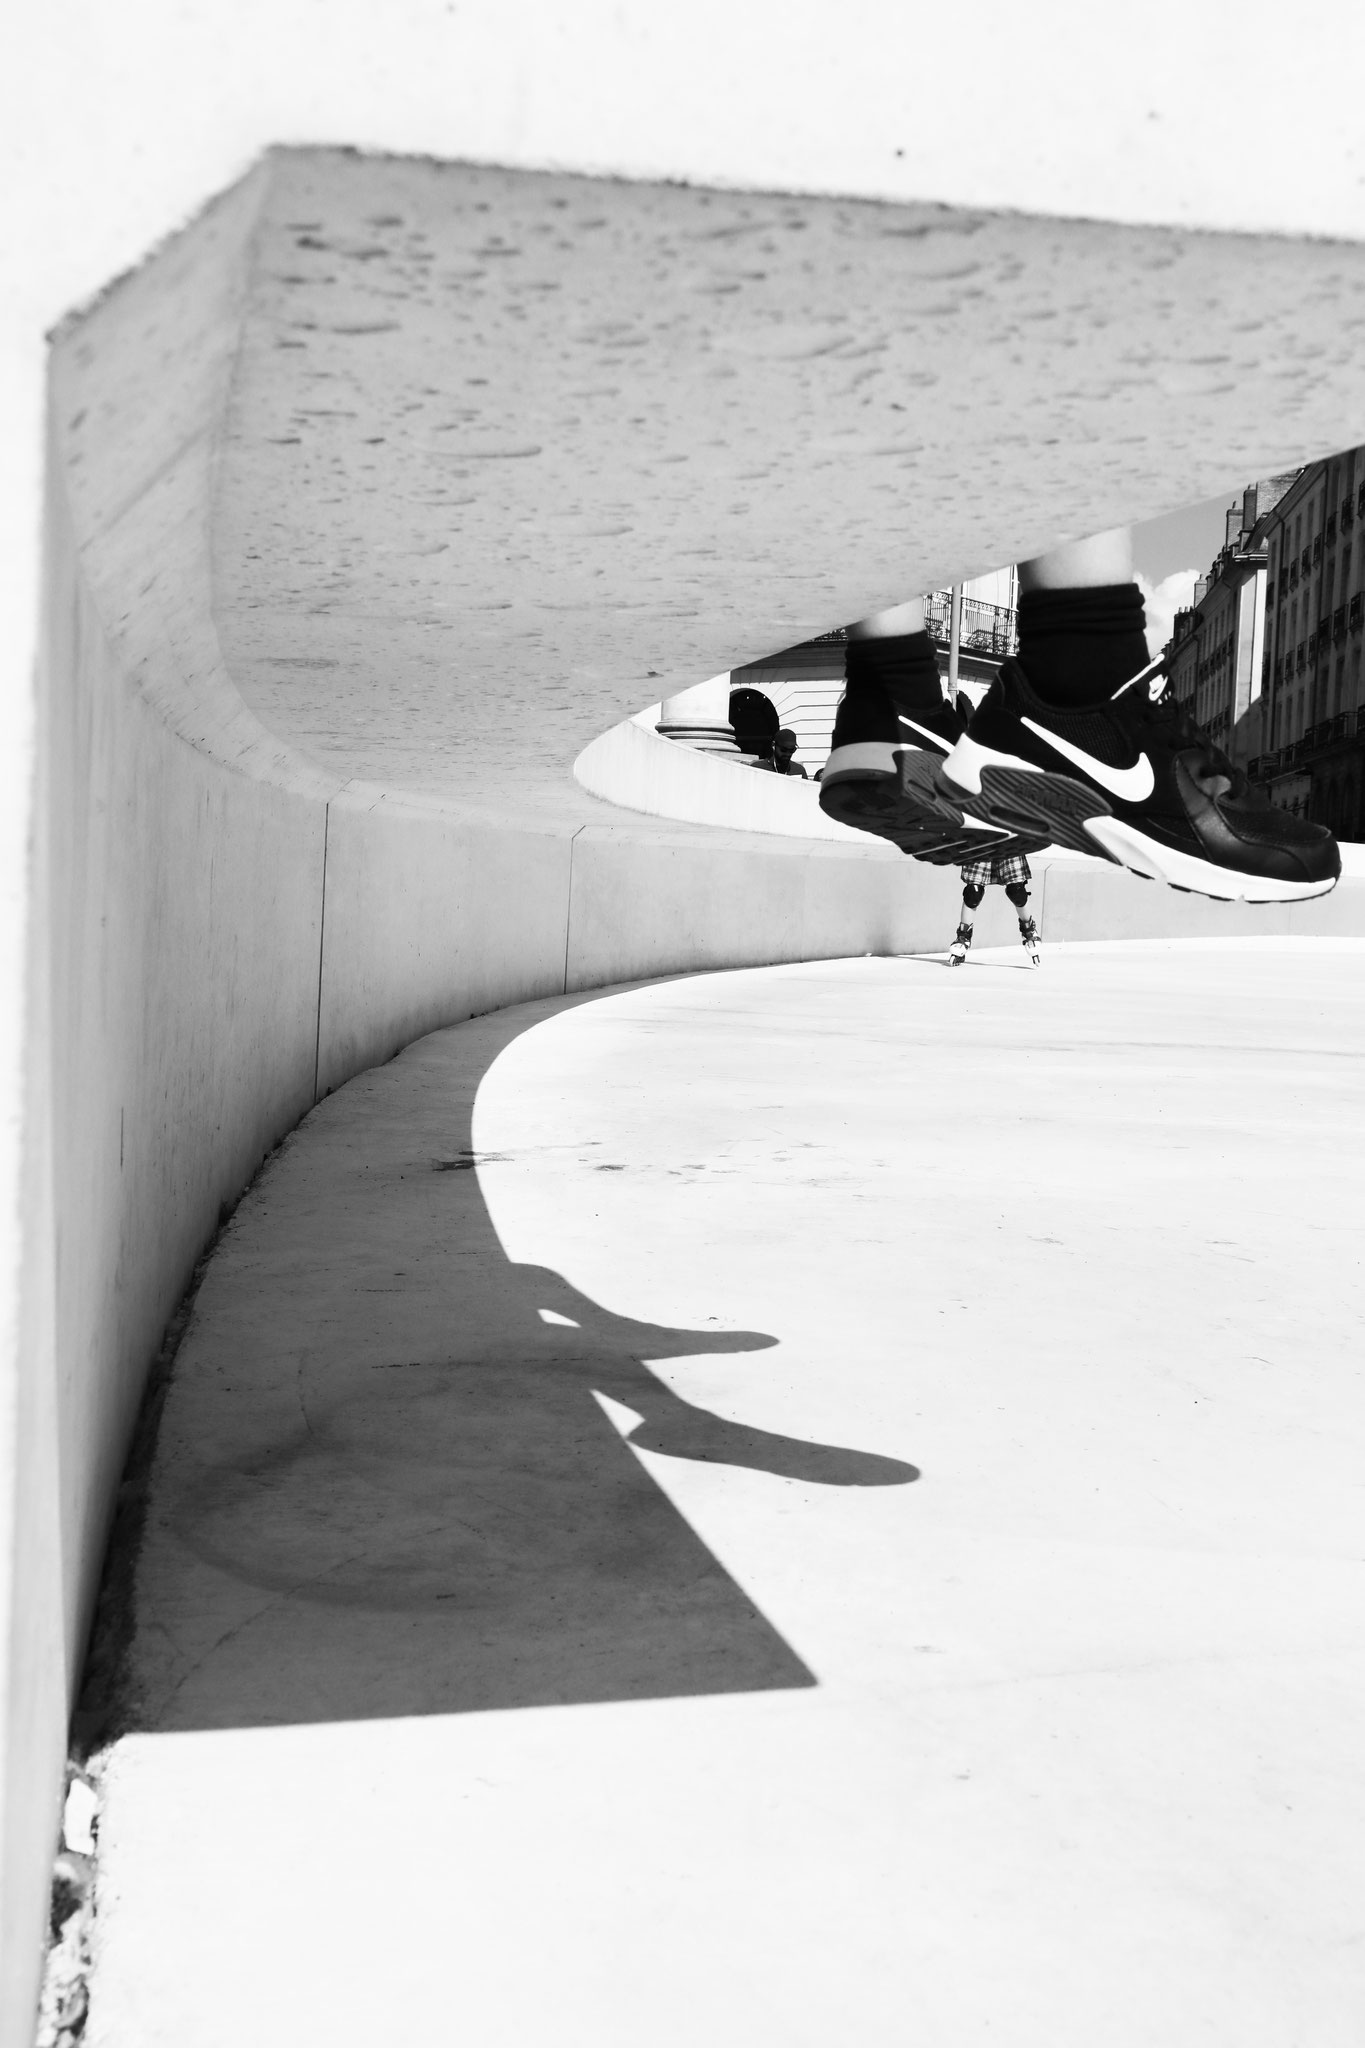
(1209,765)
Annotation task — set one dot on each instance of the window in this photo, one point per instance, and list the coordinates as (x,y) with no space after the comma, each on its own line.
(1331,533)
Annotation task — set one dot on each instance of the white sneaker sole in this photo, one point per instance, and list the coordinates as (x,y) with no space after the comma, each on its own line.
(888,789)
(1011,791)
(1133,849)
(962,768)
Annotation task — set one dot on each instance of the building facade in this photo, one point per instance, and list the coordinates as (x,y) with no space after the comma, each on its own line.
(1313,752)
(1216,654)
(988,633)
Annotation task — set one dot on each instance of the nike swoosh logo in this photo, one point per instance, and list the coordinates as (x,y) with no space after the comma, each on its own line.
(1131,785)
(934,739)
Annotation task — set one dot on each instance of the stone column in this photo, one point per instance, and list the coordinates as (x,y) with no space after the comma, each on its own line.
(954,639)
(700,717)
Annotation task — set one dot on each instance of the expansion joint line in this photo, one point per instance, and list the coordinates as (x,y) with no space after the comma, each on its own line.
(322,939)
(568,909)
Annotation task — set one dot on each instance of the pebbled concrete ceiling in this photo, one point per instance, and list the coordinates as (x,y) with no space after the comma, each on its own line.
(511,454)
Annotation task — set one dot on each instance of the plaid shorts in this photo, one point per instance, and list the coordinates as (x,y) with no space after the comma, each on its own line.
(1006,867)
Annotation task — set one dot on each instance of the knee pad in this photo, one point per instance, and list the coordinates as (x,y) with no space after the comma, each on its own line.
(1017,893)
(973,894)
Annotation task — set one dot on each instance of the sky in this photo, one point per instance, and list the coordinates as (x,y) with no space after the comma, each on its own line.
(1168,555)
(1193,534)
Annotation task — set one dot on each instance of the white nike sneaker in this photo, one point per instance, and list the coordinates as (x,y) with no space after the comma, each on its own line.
(1134,779)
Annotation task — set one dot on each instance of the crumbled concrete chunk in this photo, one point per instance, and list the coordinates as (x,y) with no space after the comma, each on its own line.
(78,1820)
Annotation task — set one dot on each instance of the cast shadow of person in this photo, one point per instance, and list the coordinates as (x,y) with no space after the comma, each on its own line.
(403,1494)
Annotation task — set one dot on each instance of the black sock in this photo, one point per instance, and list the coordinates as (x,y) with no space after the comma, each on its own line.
(1078,646)
(902,663)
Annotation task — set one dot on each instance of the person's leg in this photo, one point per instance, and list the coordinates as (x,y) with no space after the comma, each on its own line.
(891,730)
(1079,740)
(1082,564)
(893,624)
(1028,930)
(973,889)
(889,656)
(1081,619)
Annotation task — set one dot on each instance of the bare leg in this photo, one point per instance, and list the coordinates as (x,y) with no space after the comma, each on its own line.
(1099,559)
(889,625)
(1102,558)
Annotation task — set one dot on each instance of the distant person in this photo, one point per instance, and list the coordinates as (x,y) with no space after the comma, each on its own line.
(784,755)
(754,719)
(1012,871)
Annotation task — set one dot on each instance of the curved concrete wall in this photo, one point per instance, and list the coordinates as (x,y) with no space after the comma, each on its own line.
(668,779)
(223,932)
(228,923)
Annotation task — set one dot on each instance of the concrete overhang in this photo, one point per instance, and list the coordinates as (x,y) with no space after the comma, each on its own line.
(503,456)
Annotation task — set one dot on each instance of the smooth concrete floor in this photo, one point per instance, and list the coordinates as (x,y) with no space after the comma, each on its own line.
(968,1645)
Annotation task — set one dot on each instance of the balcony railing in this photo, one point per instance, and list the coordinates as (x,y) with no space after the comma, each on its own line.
(1329,732)
(986,628)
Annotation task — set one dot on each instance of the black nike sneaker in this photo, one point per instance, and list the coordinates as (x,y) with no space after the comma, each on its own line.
(1133,778)
(880,778)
